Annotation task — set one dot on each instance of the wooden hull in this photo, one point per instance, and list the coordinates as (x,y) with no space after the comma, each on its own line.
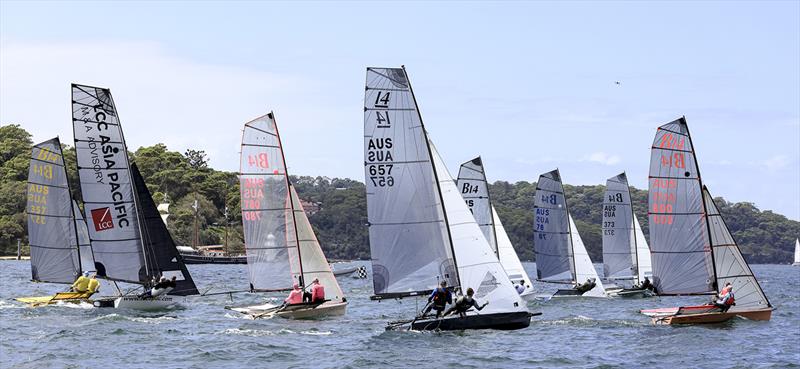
(501,321)
(697,316)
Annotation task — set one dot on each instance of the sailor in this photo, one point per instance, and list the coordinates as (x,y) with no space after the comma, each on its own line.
(295,297)
(81,284)
(317,293)
(464,303)
(93,286)
(163,286)
(438,300)
(520,287)
(586,286)
(646,285)
(725,298)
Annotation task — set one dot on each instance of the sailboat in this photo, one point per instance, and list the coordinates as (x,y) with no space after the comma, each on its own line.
(281,246)
(60,249)
(421,232)
(130,242)
(693,251)
(626,256)
(475,191)
(561,256)
(796,252)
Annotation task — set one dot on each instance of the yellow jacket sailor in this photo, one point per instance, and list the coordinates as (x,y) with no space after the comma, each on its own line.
(81,284)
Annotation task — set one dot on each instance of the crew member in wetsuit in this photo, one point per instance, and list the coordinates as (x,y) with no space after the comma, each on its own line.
(586,286)
(438,300)
(464,303)
(163,286)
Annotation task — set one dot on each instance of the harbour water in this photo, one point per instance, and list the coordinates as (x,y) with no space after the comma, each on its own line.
(587,333)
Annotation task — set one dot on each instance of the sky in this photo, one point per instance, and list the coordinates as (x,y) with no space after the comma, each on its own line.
(529,86)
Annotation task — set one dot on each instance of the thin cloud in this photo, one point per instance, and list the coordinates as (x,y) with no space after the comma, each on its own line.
(602,158)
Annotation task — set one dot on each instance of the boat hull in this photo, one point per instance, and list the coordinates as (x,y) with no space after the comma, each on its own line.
(299,311)
(200,259)
(137,303)
(500,321)
(714,317)
(633,293)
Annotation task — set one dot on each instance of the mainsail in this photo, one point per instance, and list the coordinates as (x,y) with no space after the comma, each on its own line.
(421,231)
(53,238)
(679,234)
(107,187)
(796,252)
(560,253)
(475,191)
(622,238)
(129,240)
(729,263)
(280,243)
(409,241)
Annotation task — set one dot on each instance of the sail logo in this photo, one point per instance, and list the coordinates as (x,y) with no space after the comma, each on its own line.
(102,219)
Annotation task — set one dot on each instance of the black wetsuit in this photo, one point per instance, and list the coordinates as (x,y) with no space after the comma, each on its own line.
(463,304)
(586,287)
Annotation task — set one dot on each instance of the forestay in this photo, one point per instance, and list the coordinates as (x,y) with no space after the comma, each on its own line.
(679,239)
(51,227)
(478,266)
(474,189)
(269,233)
(106,186)
(730,264)
(409,241)
(552,244)
(160,249)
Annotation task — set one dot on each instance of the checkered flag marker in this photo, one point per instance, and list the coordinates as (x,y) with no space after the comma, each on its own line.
(361,273)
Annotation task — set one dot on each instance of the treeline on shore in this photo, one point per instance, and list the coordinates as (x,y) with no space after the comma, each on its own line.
(338,206)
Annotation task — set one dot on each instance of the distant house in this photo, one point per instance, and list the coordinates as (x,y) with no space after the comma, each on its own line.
(309,207)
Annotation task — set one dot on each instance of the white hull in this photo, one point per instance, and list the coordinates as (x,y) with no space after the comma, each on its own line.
(528,295)
(329,308)
(137,303)
(796,263)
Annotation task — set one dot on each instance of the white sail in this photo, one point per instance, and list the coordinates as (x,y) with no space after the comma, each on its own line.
(163,209)
(644,264)
(315,265)
(730,264)
(508,256)
(797,252)
(584,269)
(409,242)
(478,267)
(619,241)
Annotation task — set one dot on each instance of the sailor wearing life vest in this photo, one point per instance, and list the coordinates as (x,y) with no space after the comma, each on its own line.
(438,300)
(725,298)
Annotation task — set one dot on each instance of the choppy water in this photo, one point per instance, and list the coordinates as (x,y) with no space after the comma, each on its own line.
(574,333)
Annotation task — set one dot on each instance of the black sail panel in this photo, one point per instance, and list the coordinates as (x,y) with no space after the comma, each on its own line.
(160,249)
